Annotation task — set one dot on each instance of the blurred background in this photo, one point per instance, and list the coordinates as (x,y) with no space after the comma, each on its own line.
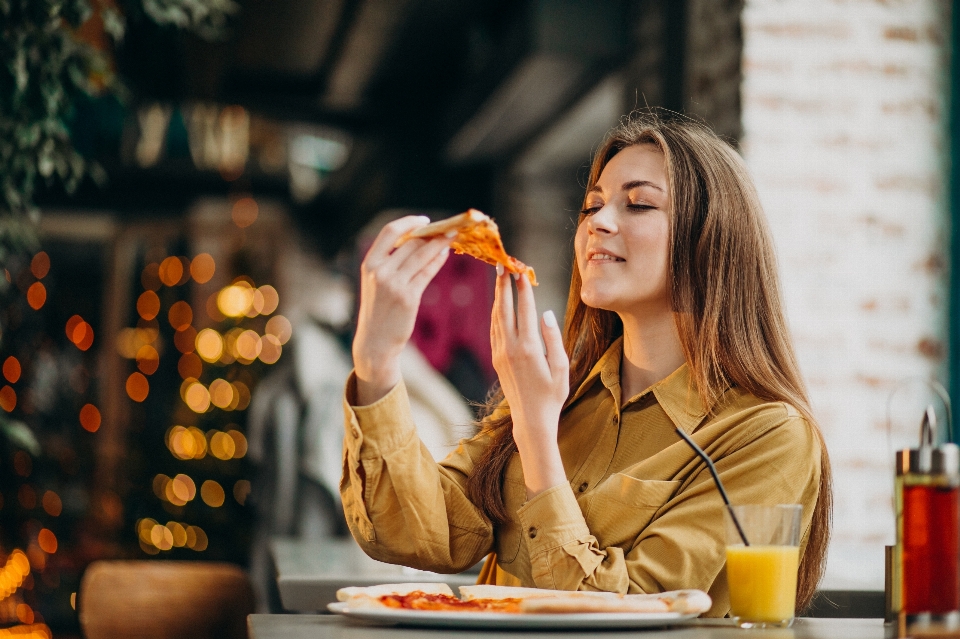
(189,186)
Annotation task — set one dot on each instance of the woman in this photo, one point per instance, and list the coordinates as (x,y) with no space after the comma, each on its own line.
(577,479)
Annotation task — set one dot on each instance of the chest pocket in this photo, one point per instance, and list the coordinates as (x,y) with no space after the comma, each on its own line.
(622,506)
(508,536)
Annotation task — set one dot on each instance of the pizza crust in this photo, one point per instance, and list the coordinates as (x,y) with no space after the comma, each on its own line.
(537,600)
(477,236)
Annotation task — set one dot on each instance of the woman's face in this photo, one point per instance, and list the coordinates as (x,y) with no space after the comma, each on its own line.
(623,243)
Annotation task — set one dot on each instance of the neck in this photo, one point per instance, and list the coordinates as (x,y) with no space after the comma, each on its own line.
(651,350)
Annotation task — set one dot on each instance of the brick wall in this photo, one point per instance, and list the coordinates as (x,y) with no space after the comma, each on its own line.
(843,115)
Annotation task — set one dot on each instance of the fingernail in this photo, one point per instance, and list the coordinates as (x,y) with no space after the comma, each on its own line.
(516,276)
(451,234)
(549,319)
(499,270)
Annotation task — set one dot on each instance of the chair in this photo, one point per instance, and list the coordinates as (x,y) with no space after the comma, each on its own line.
(164,600)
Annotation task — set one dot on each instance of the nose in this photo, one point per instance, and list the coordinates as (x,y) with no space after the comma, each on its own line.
(603,221)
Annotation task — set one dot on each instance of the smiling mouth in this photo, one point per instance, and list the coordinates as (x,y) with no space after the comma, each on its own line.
(603,257)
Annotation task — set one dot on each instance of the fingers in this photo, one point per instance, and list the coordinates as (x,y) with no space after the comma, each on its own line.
(553,342)
(526,310)
(503,307)
(408,264)
(388,236)
(427,272)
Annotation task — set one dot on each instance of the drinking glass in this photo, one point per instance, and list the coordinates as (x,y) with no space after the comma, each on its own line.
(762,576)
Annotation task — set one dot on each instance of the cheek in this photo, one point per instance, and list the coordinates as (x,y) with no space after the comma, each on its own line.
(580,244)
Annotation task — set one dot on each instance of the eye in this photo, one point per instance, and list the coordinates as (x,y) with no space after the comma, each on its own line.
(640,207)
(591,208)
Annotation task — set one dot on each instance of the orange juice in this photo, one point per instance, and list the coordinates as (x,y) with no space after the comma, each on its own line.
(763,582)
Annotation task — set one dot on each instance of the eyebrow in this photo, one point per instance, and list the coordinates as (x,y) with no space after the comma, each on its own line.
(628,186)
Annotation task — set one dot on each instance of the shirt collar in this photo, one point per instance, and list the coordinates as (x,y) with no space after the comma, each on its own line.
(676,393)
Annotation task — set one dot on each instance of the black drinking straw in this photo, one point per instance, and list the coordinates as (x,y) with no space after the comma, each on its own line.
(716,480)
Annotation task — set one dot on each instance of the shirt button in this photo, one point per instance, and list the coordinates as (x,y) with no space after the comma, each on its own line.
(583,487)
(532,532)
(616,419)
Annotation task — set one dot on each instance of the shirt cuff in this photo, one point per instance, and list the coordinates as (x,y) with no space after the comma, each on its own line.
(551,519)
(380,427)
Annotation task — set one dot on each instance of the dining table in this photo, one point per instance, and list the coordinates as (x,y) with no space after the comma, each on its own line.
(337,627)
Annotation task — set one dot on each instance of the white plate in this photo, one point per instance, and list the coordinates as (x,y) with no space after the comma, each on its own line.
(445,619)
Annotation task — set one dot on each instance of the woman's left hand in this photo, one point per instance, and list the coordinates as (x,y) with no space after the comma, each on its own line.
(534,383)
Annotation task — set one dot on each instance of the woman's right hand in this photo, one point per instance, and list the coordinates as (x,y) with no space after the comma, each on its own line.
(391,285)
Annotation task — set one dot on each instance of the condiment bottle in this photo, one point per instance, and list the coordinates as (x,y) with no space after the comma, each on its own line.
(928,528)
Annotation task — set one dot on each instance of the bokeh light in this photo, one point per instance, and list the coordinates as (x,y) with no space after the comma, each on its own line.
(171,271)
(280,327)
(8,399)
(186,443)
(243,395)
(52,504)
(148,305)
(148,360)
(197,397)
(271,299)
(150,277)
(234,300)
(239,443)
(222,445)
(221,393)
(13,573)
(178,535)
(271,349)
(40,265)
(47,541)
(178,491)
(248,346)
(202,268)
(137,387)
(178,532)
(212,493)
(36,295)
(79,332)
(241,490)
(212,311)
(180,315)
(190,365)
(185,340)
(245,212)
(90,418)
(11,369)
(209,345)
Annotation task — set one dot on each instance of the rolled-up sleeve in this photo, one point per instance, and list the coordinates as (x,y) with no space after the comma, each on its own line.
(401,506)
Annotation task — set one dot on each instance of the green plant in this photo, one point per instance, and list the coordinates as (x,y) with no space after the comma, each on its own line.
(46,69)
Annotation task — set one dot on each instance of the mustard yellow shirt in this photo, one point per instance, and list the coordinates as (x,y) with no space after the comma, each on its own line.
(639,514)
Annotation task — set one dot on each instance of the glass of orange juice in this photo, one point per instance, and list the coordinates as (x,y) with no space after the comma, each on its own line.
(762,574)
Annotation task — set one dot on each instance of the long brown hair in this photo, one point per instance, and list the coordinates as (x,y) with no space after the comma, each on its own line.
(725,291)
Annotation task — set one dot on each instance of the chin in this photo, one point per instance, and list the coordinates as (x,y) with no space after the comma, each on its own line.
(596,299)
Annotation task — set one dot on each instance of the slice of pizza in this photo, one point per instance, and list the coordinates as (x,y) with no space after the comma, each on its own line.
(420,596)
(536,600)
(477,236)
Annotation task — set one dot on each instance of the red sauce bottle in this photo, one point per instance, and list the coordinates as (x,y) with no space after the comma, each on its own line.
(929,528)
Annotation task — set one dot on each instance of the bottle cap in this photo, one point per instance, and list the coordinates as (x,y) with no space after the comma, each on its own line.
(942,460)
